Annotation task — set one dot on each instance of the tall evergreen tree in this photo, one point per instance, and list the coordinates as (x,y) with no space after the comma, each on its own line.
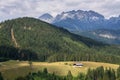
(45,71)
(89,75)
(118,73)
(69,76)
(81,76)
(1,78)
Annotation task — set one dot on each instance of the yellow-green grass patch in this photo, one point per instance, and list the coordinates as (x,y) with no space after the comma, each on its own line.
(13,69)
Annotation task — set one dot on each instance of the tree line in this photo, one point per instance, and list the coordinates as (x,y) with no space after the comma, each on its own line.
(92,74)
(9,52)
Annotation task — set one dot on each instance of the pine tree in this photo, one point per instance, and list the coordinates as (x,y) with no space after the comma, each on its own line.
(81,76)
(1,78)
(30,65)
(69,76)
(45,71)
(118,73)
(89,75)
(98,73)
(30,76)
(20,78)
(105,77)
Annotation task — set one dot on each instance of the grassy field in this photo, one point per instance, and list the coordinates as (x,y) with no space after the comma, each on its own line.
(13,69)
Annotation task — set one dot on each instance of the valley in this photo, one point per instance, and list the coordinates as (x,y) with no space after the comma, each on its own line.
(13,69)
(59,40)
(28,46)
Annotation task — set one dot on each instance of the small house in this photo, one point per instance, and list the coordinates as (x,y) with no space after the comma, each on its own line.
(77,65)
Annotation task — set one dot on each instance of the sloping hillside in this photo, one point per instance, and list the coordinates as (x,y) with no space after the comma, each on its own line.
(29,35)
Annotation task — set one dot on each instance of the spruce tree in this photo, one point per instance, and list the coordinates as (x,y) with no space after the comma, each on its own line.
(45,71)
(89,75)
(1,78)
(81,76)
(69,76)
(118,73)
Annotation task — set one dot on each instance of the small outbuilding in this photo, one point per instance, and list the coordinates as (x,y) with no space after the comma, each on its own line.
(78,65)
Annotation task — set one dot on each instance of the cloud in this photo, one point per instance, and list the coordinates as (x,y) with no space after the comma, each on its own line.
(34,8)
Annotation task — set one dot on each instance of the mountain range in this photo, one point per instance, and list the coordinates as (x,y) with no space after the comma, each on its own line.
(87,22)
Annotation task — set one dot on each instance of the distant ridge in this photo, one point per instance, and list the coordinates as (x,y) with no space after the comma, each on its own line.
(79,22)
(46,17)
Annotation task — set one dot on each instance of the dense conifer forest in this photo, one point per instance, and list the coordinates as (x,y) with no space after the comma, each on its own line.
(59,40)
(31,39)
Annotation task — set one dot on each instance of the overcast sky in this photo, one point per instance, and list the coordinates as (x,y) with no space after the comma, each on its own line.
(34,8)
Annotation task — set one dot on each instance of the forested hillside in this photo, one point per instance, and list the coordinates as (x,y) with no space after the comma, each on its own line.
(29,38)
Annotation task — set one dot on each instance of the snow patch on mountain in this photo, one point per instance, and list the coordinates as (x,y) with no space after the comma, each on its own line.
(95,18)
(79,21)
(109,36)
(79,15)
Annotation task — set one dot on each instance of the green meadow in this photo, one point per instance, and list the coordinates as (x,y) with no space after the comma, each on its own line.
(12,69)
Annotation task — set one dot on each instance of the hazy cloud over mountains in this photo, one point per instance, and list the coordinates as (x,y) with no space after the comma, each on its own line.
(19,8)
